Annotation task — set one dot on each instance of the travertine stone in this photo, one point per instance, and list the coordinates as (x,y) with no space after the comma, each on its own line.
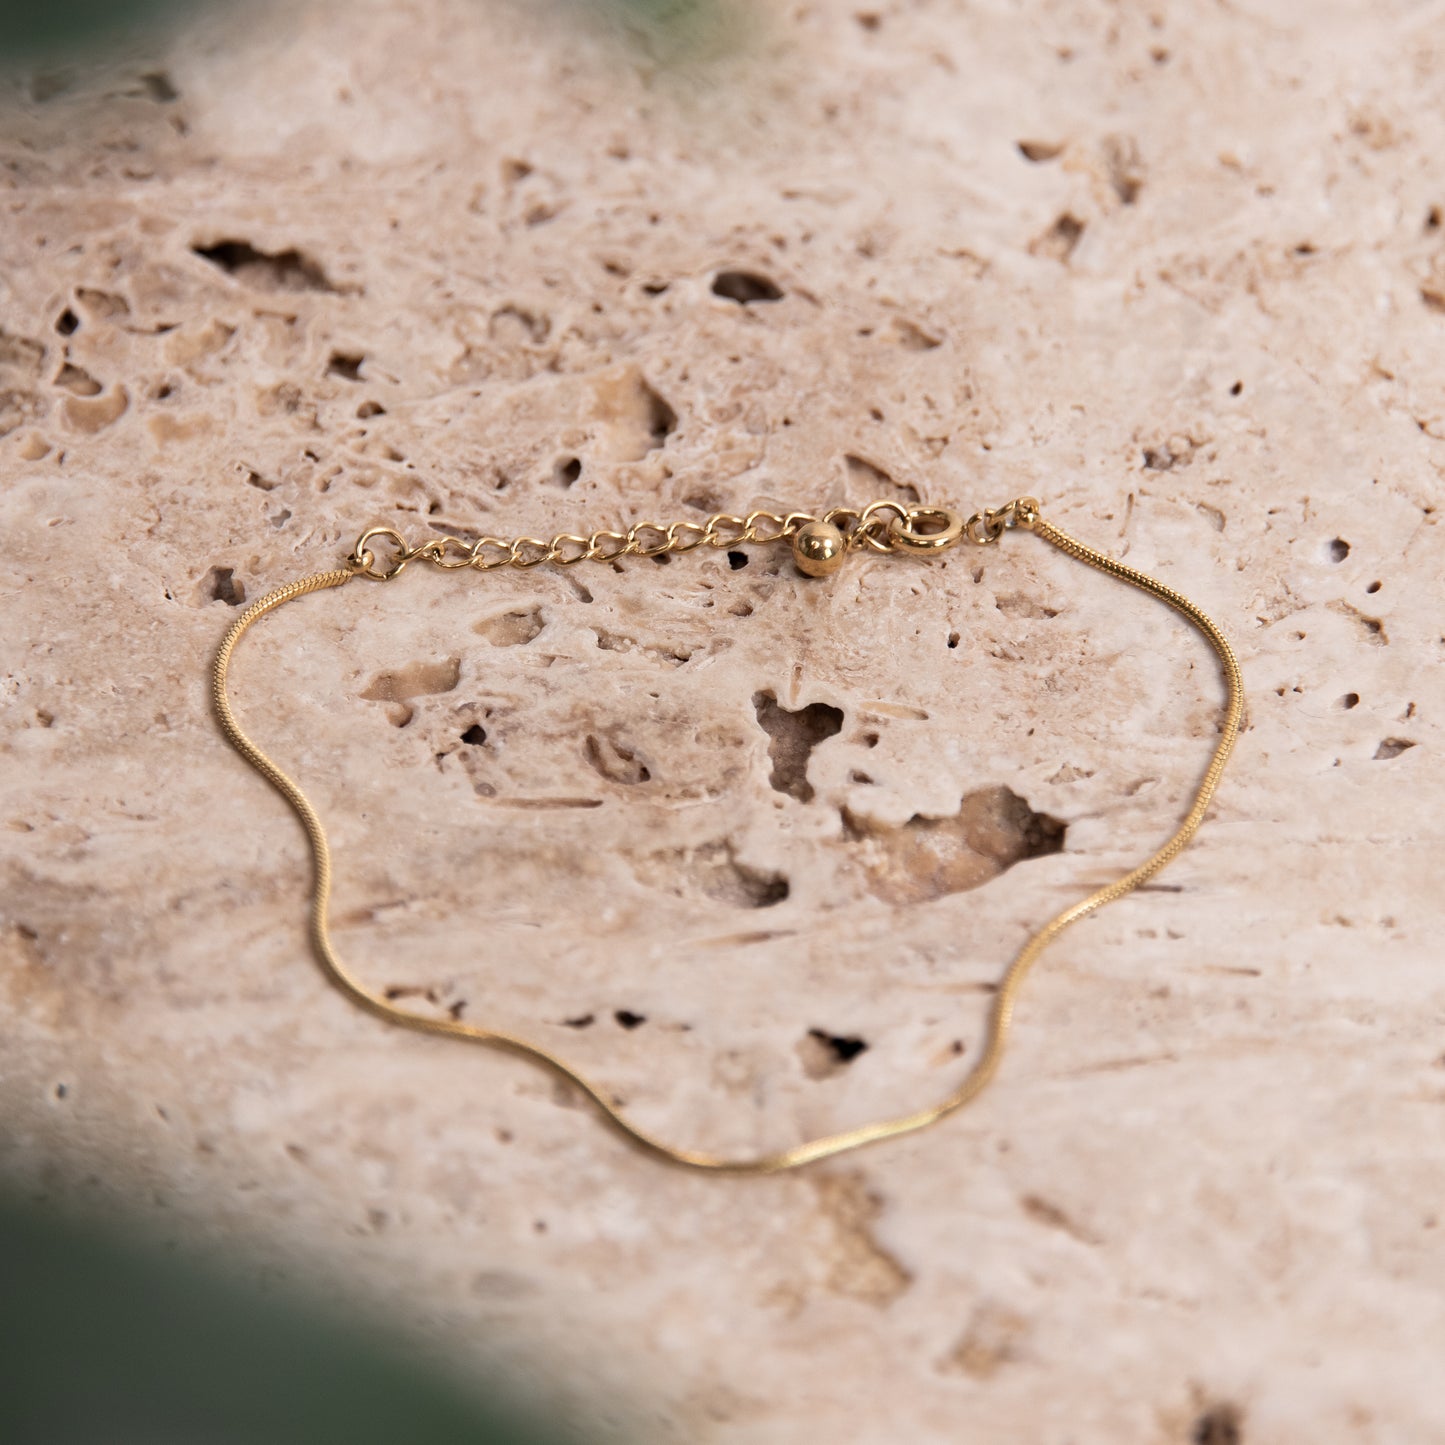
(751,848)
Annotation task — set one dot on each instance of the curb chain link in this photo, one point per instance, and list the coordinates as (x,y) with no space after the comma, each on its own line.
(882,526)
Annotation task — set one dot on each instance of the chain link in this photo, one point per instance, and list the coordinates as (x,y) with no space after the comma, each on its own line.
(381,553)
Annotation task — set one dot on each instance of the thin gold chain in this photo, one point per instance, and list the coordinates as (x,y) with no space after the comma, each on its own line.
(883,527)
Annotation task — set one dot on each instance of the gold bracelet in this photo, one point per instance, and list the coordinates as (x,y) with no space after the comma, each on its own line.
(819,544)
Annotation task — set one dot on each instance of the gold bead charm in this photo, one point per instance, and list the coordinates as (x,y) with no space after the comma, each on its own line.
(819,549)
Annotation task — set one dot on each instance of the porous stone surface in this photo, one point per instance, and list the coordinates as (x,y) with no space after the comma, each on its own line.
(751,849)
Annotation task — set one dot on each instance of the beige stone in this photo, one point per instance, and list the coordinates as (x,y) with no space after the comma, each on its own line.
(493,268)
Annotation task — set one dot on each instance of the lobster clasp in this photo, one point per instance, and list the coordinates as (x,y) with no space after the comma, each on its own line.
(926,530)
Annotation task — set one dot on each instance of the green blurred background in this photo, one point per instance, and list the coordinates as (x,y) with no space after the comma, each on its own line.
(106,1338)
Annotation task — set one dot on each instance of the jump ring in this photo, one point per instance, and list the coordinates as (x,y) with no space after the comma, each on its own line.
(365,561)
